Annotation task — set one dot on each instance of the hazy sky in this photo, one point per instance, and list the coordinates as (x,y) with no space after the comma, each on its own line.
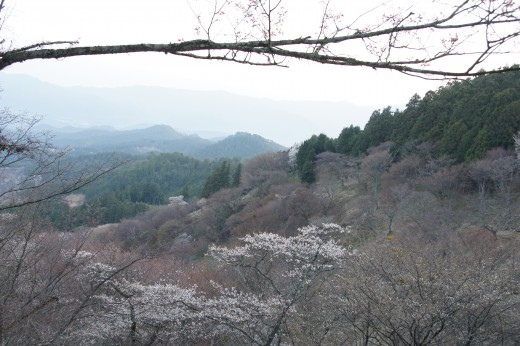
(135,21)
(162,21)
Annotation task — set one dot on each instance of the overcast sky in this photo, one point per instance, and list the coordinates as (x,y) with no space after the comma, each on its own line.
(135,21)
(162,21)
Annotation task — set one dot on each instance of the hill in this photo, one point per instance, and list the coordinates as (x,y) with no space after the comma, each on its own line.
(159,139)
(241,144)
(463,120)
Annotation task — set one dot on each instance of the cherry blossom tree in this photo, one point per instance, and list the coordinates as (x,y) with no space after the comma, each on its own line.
(132,313)
(427,39)
(275,278)
(41,292)
(305,289)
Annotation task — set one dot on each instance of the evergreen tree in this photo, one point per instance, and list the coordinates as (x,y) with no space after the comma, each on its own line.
(379,127)
(237,174)
(351,141)
(307,155)
(307,174)
(219,179)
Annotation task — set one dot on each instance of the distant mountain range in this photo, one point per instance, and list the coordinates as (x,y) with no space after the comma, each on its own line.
(158,138)
(210,114)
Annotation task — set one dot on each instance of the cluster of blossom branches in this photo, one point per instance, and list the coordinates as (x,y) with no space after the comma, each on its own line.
(273,274)
(304,289)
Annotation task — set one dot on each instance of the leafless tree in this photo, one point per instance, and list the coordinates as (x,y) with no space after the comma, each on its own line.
(41,296)
(32,170)
(448,292)
(38,294)
(495,176)
(419,38)
(373,167)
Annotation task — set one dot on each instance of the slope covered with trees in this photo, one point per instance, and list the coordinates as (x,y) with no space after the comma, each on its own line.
(463,120)
(392,247)
(131,189)
(426,254)
(385,248)
(241,144)
(159,139)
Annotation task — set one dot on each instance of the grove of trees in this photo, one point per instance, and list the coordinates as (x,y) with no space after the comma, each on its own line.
(409,242)
(426,255)
(465,119)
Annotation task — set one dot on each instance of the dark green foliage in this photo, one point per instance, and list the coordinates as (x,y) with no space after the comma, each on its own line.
(221,178)
(307,154)
(129,190)
(145,181)
(110,208)
(351,141)
(379,127)
(465,119)
(154,178)
(186,192)
(237,174)
(61,217)
(241,144)
(106,208)
(307,174)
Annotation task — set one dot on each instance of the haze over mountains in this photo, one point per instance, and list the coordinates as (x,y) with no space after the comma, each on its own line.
(206,113)
(158,138)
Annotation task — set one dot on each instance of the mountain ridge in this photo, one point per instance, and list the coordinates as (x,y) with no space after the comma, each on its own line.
(187,110)
(159,138)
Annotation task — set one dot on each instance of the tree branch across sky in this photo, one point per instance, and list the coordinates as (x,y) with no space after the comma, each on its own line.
(447,41)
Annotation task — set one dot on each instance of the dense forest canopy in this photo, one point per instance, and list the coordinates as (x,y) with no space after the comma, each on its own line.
(142,182)
(464,120)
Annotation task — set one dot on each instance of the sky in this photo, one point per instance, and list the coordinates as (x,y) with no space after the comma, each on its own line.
(162,21)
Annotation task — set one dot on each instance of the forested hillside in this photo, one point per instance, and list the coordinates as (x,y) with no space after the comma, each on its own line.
(138,184)
(403,233)
(463,120)
(158,138)
(414,246)
(400,243)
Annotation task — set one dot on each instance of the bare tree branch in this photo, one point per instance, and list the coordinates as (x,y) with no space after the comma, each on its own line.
(412,43)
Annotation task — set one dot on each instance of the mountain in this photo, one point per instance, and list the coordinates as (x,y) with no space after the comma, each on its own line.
(202,112)
(241,144)
(160,139)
